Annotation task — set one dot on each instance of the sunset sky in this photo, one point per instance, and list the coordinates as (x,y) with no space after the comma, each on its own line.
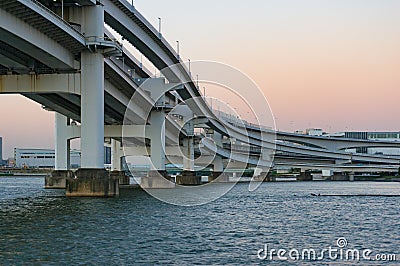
(332,64)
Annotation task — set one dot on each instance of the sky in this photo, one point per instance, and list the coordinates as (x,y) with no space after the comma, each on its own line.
(331,64)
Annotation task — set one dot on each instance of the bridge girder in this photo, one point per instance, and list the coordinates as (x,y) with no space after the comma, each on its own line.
(42,48)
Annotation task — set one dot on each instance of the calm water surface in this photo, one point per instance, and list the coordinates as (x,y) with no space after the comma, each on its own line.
(42,227)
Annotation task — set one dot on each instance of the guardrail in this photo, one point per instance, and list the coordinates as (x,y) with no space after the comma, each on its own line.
(104,42)
(53,15)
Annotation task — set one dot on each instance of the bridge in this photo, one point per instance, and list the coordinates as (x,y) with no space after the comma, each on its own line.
(65,55)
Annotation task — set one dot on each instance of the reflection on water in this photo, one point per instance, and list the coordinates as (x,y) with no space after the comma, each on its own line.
(43,227)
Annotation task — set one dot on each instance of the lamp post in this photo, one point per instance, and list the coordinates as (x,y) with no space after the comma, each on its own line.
(159,26)
(190,73)
(177,48)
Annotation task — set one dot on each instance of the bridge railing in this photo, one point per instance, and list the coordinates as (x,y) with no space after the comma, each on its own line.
(104,42)
(54,15)
(235,121)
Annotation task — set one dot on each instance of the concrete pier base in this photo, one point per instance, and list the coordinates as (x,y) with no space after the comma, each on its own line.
(218,177)
(188,178)
(339,177)
(157,179)
(92,183)
(304,176)
(121,176)
(58,179)
(265,177)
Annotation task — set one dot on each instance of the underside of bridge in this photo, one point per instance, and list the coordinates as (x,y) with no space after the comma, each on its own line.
(61,55)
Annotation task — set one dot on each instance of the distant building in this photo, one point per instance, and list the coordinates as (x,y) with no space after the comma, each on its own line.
(300,132)
(386,136)
(310,132)
(314,132)
(10,162)
(335,135)
(42,158)
(2,162)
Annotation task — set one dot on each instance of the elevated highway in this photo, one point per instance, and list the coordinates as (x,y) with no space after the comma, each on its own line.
(63,57)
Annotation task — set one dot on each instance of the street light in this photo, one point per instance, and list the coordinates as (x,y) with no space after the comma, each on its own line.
(177,48)
(190,73)
(159,26)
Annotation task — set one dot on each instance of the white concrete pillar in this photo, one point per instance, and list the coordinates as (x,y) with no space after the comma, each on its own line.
(188,156)
(218,163)
(92,98)
(115,155)
(351,176)
(217,138)
(157,140)
(61,145)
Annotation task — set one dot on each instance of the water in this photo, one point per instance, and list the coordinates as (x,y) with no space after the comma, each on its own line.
(42,227)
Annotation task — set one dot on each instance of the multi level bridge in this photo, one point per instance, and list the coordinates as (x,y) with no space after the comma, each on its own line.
(64,55)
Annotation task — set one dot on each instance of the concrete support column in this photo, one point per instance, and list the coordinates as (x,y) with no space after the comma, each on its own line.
(188,177)
(92,98)
(351,176)
(218,174)
(61,145)
(218,164)
(115,155)
(57,179)
(157,177)
(92,110)
(116,163)
(92,179)
(188,156)
(157,140)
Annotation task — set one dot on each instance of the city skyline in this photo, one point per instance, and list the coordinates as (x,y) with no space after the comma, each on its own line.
(325,64)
